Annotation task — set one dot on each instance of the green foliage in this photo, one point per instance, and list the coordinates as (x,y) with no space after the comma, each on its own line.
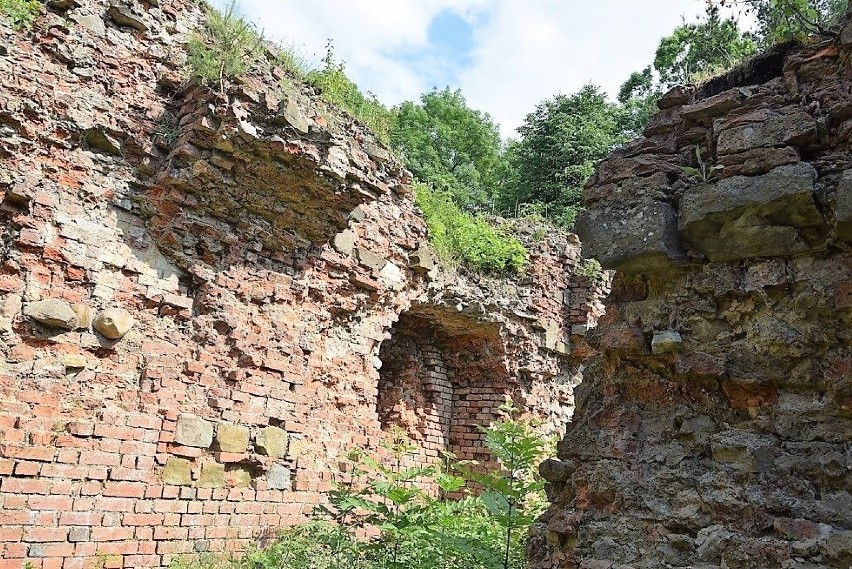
(20,13)
(336,88)
(702,171)
(291,61)
(560,145)
(786,20)
(408,527)
(462,237)
(226,50)
(450,146)
(693,49)
(592,270)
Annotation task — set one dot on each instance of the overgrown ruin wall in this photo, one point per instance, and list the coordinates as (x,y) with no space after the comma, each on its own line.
(713,429)
(206,301)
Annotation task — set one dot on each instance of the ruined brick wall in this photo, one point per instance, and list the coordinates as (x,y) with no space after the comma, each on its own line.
(713,428)
(198,293)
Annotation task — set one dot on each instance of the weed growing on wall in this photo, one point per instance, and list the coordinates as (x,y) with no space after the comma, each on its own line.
(20,13)
(227,49)
(408,527)
(336,88)
(461,237)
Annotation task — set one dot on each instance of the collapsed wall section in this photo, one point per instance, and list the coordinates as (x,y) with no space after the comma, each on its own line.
(713,428)
(198,293)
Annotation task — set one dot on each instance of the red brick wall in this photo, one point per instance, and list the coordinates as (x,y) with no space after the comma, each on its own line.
(264,248)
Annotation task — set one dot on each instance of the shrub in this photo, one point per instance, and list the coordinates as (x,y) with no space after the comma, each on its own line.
(410,528)
(228,48)
(337,89)
(20,12)
(461,237)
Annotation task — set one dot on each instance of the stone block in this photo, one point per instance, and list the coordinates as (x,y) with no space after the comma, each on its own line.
(84,315)
(636,239)
(113,323)
(344,242)
(53,312)
(212,475)
(763,216)
(279,478)
(370,260)
(554,470)
(193,431)
(232,438)
(177,471)
(666,341)
(238,477)
(798,128)
(272,442)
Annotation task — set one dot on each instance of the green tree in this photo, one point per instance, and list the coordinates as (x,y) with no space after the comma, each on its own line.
(697,50)
(450,146)
(785,20)
(638,97)
(560,144)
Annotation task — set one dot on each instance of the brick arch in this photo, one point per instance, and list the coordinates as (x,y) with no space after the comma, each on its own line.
(443,375)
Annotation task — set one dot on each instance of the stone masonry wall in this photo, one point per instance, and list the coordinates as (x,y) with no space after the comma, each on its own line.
(198,293)
(713,428)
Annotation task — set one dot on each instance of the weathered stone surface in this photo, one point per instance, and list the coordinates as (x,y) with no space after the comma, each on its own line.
(756,161)
(370,259)
(53,312)
(554,470)
(344,242)
(193,431)
(666,341)
(763,216)
(232,438)
(676,97)
(798,129)
(177,471)
(113,323)
(844,207)
(272,442)
(212,475)
(124,16)
(641,238)
(713,106)
(238,477)
(84,315)
(726,446)
(279,478)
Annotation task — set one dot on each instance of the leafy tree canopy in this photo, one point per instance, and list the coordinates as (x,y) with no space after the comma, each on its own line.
(450,146)
(785,20)
(560,144)
(696,50)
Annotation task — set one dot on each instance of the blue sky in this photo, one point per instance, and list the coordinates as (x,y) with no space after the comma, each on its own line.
(505,55)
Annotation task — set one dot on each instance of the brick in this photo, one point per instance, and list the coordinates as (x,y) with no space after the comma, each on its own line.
(50,502)
(124,489)
(112,533)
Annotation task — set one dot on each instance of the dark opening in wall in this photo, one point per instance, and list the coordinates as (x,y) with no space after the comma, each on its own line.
(415,387)
(443,375)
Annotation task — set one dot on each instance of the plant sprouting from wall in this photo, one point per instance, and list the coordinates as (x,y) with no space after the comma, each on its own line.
(20,13)
(227,49)
(702,171)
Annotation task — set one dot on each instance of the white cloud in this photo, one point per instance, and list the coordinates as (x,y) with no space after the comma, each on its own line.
(524,50)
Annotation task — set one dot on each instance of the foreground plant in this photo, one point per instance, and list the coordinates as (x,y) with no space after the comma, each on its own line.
(380,517)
